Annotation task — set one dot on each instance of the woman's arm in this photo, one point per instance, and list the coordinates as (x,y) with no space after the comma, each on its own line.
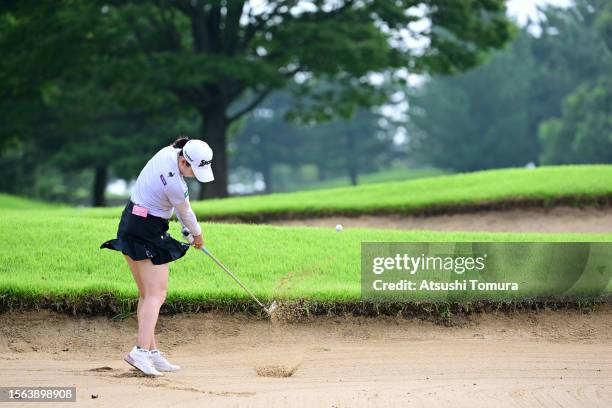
(186,216)
(180,200)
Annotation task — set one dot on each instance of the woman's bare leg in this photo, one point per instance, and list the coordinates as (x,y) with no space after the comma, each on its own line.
(135,268)
(155,283)
(136,274)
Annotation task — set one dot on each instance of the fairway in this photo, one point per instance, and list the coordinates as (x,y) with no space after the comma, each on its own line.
(319,265)
(441,193)
(505,188)
(10,202)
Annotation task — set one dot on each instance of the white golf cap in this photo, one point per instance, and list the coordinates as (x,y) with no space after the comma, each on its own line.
(199,155)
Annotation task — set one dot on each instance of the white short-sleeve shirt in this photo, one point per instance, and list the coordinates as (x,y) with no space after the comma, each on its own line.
(160,186)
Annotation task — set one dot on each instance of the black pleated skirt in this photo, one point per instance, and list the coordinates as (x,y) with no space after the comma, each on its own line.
(145,238)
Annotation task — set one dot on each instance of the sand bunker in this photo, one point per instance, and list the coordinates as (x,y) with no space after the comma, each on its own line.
(101,369)
(559,219)
(277,371)
(560,358)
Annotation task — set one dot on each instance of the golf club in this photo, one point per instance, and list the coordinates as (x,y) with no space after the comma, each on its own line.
(268,310)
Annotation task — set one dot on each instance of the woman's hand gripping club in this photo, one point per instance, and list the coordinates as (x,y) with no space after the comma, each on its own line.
(197,241)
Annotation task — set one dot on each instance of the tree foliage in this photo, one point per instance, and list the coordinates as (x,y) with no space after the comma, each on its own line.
(219,59)
(543,99)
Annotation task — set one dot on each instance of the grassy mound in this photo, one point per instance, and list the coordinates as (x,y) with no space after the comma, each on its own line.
(56,259)
(427,194)
(544,186)
(11,202)
(50,255)
(393,174)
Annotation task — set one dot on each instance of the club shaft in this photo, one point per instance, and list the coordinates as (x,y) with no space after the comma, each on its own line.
(234,277)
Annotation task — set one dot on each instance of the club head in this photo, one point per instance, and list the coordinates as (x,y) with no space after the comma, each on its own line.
(272,308)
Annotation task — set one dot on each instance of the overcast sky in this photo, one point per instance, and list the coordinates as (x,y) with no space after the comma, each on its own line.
(523,9)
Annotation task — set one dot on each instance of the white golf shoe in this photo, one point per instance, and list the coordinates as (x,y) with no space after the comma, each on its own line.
(161,363)
(141,360)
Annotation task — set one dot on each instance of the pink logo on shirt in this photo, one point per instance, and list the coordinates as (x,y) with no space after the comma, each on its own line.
(140,211)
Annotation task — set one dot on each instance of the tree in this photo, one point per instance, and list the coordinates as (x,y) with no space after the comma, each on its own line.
(31,33)
(579,40)
(67,114)
(480,119)
(339,147)
(267,139)
(211,55)
(583,133)
(351,147)
(490,116)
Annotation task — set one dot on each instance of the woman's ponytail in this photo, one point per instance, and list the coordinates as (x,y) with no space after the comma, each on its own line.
(180,142)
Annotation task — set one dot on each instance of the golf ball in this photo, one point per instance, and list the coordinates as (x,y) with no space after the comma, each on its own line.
(339,227)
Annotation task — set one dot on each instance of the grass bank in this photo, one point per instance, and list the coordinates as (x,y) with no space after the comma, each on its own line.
(55,259)
(11,202)
(491,189)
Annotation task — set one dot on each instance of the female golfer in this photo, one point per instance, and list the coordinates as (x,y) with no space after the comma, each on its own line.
(147,247)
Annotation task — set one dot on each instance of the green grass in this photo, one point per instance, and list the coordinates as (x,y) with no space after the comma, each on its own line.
(544,183)
(406,196)
(46,254)
(54,251)
(400,174)
(8,202)
(393,174)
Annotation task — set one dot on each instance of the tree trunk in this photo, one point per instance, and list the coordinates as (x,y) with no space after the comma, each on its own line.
(214,127)
(353,174)
(99,186)
(266,172)
(322,172)
(351,158)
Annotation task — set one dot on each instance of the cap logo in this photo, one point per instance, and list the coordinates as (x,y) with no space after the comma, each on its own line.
(186,155)
(204,163)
